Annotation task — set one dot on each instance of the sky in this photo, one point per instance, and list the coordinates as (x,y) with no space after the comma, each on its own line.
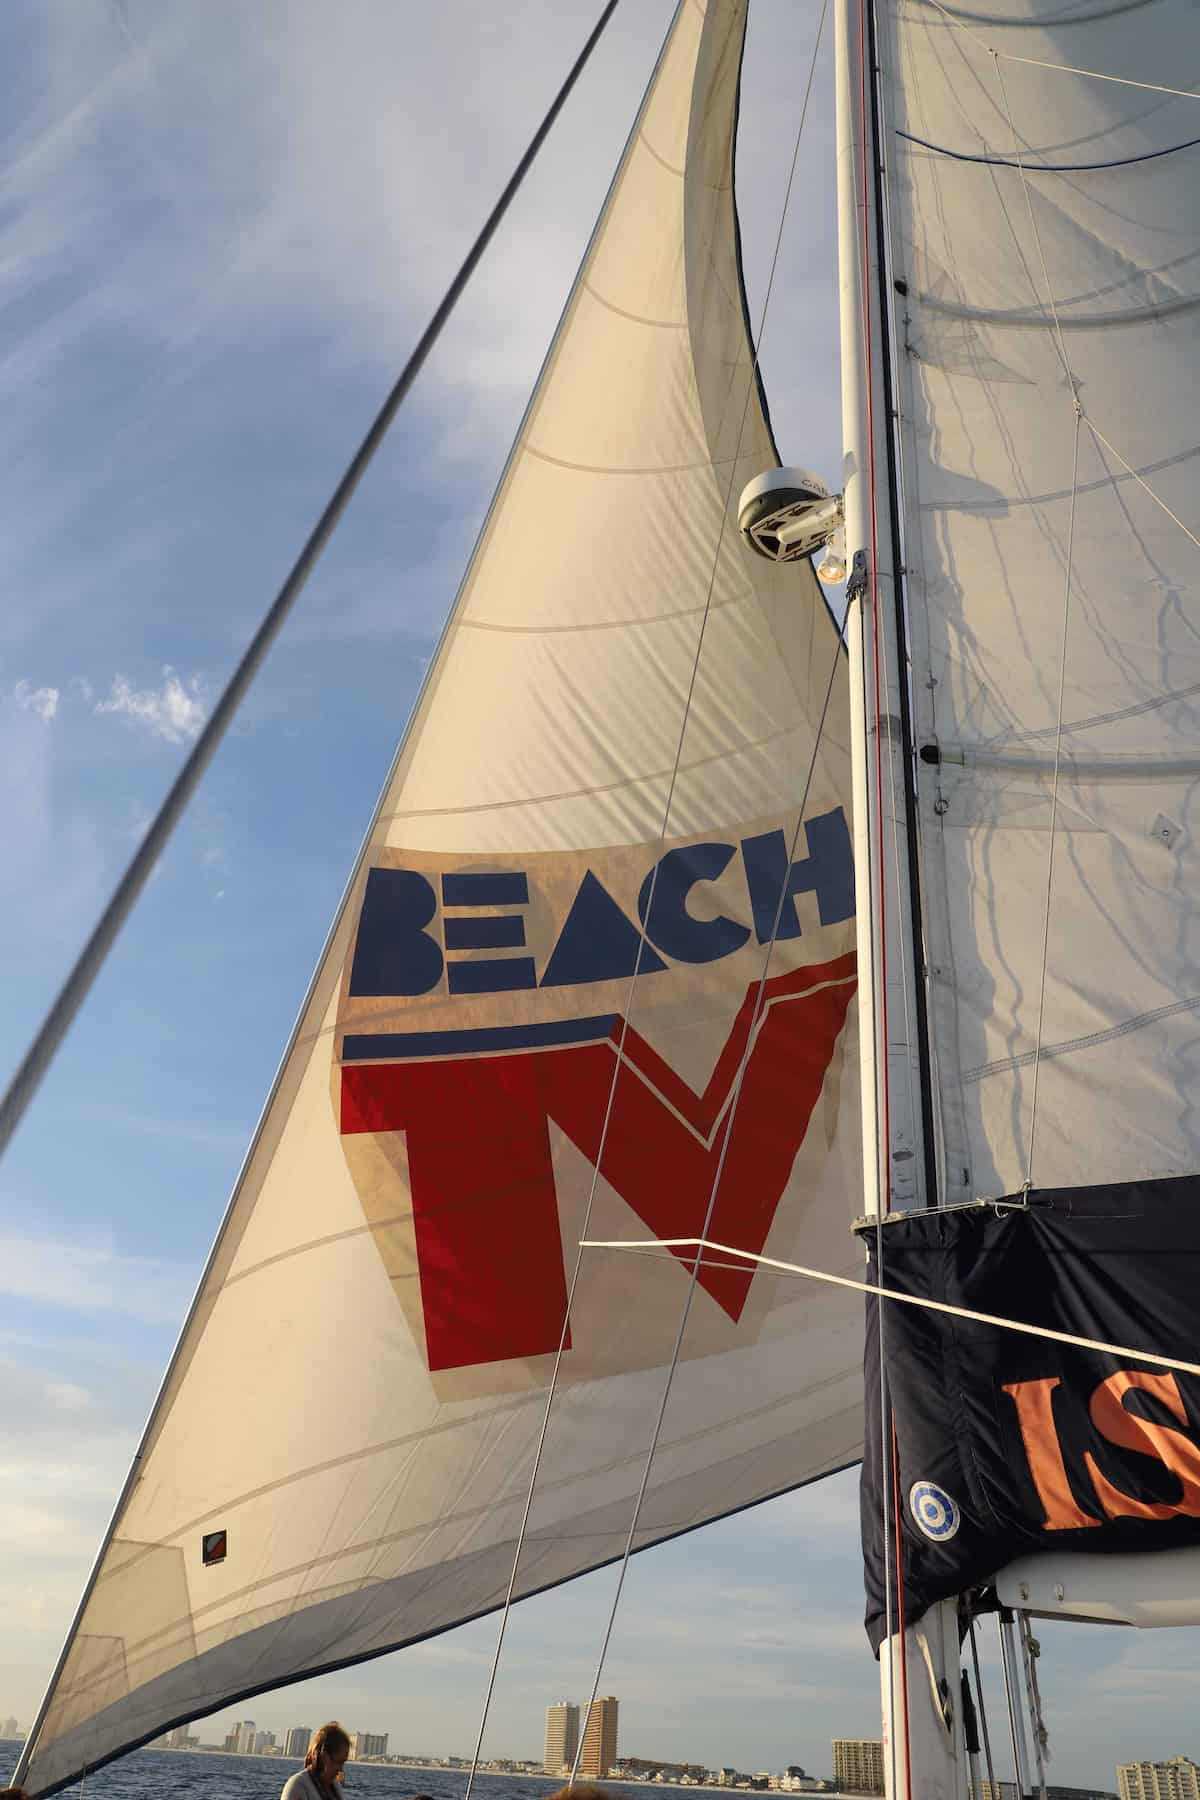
(221,230)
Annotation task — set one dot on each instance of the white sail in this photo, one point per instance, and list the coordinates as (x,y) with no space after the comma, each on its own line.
(1046,246)
(339,1460)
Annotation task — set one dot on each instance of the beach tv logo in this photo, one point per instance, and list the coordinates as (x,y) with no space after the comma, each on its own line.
(486,1022)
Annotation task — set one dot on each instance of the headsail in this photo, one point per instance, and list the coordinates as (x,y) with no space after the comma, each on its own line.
(1045,235)
(620,730)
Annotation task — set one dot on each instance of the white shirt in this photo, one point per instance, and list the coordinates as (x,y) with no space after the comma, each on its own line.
(301,1786)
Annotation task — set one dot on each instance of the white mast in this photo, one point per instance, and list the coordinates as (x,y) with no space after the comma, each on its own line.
(919,1679)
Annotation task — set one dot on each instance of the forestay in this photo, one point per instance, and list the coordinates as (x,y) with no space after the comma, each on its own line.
(620,728)
(1046,248)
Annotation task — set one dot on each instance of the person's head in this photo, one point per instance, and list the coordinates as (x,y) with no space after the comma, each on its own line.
(327,1753)
(13,1794)
(582,1790)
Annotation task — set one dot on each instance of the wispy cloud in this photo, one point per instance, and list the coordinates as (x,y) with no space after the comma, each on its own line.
(177,1131)
(174,711)
(91,1279)
(40,700)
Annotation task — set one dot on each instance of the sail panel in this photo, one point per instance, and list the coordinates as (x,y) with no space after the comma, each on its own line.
(1046,242)
(552,999)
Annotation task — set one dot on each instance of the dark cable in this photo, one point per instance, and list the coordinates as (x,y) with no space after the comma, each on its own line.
(75,989)
(1034,168)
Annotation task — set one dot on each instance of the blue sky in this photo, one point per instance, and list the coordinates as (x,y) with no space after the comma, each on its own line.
(221,229)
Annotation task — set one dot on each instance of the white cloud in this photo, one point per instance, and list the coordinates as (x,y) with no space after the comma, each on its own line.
(40,700)
(174,712)
(91,1279)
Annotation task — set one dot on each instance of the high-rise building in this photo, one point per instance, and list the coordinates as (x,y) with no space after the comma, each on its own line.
(246,1733)
(599,1751)
(1178,1779)
(562,1737)
(9,1729)
(297,1741)
(367,1743)
(263,1742)
(858,1765)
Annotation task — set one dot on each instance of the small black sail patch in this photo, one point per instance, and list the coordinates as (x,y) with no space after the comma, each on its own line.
(213,1547)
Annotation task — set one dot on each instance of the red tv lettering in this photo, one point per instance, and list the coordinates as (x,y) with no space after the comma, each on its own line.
(485,1213)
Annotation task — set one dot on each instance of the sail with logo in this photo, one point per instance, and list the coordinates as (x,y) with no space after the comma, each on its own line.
(596,964)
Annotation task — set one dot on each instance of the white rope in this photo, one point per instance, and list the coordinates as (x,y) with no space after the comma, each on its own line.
(869,1287)
(1037,62)
(1062,682)
(750,1035)
(1037,236)
(727,1136)
(1142,482)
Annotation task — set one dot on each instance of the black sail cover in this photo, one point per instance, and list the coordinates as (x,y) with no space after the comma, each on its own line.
(1008,1444)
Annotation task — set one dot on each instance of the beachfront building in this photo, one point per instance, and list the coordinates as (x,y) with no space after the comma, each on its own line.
(858,1766)
(599,1751)
(297,1741)
(367,1743)
(1178,1779)
(562,1737)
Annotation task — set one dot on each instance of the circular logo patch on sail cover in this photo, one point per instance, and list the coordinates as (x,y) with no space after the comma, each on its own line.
(933,1511)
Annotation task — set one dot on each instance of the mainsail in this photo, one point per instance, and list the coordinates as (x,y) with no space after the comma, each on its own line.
(596,962)
(1046,233)
(1045,244)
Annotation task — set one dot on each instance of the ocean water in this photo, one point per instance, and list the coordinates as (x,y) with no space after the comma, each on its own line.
(190,1774)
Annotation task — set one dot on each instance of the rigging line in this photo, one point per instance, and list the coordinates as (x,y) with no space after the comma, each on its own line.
(1020,1326)
(1037,238)
(1037,62)
(91,959)
(1004,162)
(987,1736)
(751,391)
(727,1137)
(1141,481)
(1012,1694)
(1062,685)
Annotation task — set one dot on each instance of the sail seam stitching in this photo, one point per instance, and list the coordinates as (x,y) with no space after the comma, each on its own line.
(666,618)
(1087,1042)
(623,312)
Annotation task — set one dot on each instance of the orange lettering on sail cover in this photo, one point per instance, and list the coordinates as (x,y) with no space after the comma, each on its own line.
(1177,1452)
(1035,1415)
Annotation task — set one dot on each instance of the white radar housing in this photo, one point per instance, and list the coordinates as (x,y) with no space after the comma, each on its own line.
(788,513)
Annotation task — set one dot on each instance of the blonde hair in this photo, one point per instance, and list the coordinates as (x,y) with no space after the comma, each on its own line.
(327,1740)
(582,1790)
